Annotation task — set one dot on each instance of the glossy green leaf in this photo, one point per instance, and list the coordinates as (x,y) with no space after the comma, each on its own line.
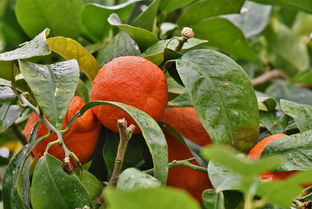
(229,110)
(149,198)
(289,53)
(213,199)
(71,49)
(121,45)
(36,47)
(144,38)
(135,154)
(227,157)
(151,132)
(6,70)
(16,182)
(148,17)
(53,86)
(304,5)
(276,121)
(94,16)
(13,113)
(133,178)
(233,40)
(283,90)
(253,18)
(7,95)
(170,5)
(61,16)
(204,9)
(92,185)
(265,102)
(294,150)
(60,190)
(302,114)
(223,178)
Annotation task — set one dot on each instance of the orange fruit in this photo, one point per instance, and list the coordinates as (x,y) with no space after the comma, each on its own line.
(80,139)
(186,121)
(131,80)
(256,151)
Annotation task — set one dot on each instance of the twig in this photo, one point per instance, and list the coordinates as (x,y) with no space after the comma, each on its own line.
(268,76)
(58,133)
(185,163)
(125,134)
(18,133)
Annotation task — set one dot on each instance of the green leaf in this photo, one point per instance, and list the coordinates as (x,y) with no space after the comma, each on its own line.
(147,19)
(223,178)
(53,86)
(151,198)
(285,197)
(213,199)
(7,95)
(303,77)
(302,114)
(16,181)
(36,47)
(61,16)
(227,157)
(6,70)
(265,102)
(304,5)
(13,113)
(71,49)
(151,132)
(94,16)
(144,38)
(276,121)
(252,20)
(289,53)
(53,188)
(283,90)
(121,45)
(233,40)
(294,150)
(182,100)
(132,178)
(208,8)
(135,154)
(229,110)
(92,185)
(170,5)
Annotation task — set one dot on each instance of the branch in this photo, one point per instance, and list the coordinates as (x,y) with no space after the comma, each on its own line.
(125,134)
(185,163)
(268,76)
(304,85)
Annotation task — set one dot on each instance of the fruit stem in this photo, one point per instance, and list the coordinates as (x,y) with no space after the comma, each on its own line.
(184,163)
(125,134)
(58,133)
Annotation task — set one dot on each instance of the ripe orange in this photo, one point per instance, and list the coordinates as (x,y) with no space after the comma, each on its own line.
(80,139)
(186,121)
(131,80)
(256,151)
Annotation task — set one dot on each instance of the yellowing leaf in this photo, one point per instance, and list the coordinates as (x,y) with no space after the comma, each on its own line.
(71,49)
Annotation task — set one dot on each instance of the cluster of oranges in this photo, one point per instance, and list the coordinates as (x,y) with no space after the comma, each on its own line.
(140,83)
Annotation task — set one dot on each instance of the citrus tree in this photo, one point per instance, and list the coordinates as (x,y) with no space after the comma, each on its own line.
(154,104)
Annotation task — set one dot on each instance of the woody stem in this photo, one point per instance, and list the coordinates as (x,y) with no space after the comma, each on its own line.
(125,134)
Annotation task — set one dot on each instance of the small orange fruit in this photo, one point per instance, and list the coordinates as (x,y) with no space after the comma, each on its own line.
(256,151)
(131,80)
(81,139)
(186,121)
